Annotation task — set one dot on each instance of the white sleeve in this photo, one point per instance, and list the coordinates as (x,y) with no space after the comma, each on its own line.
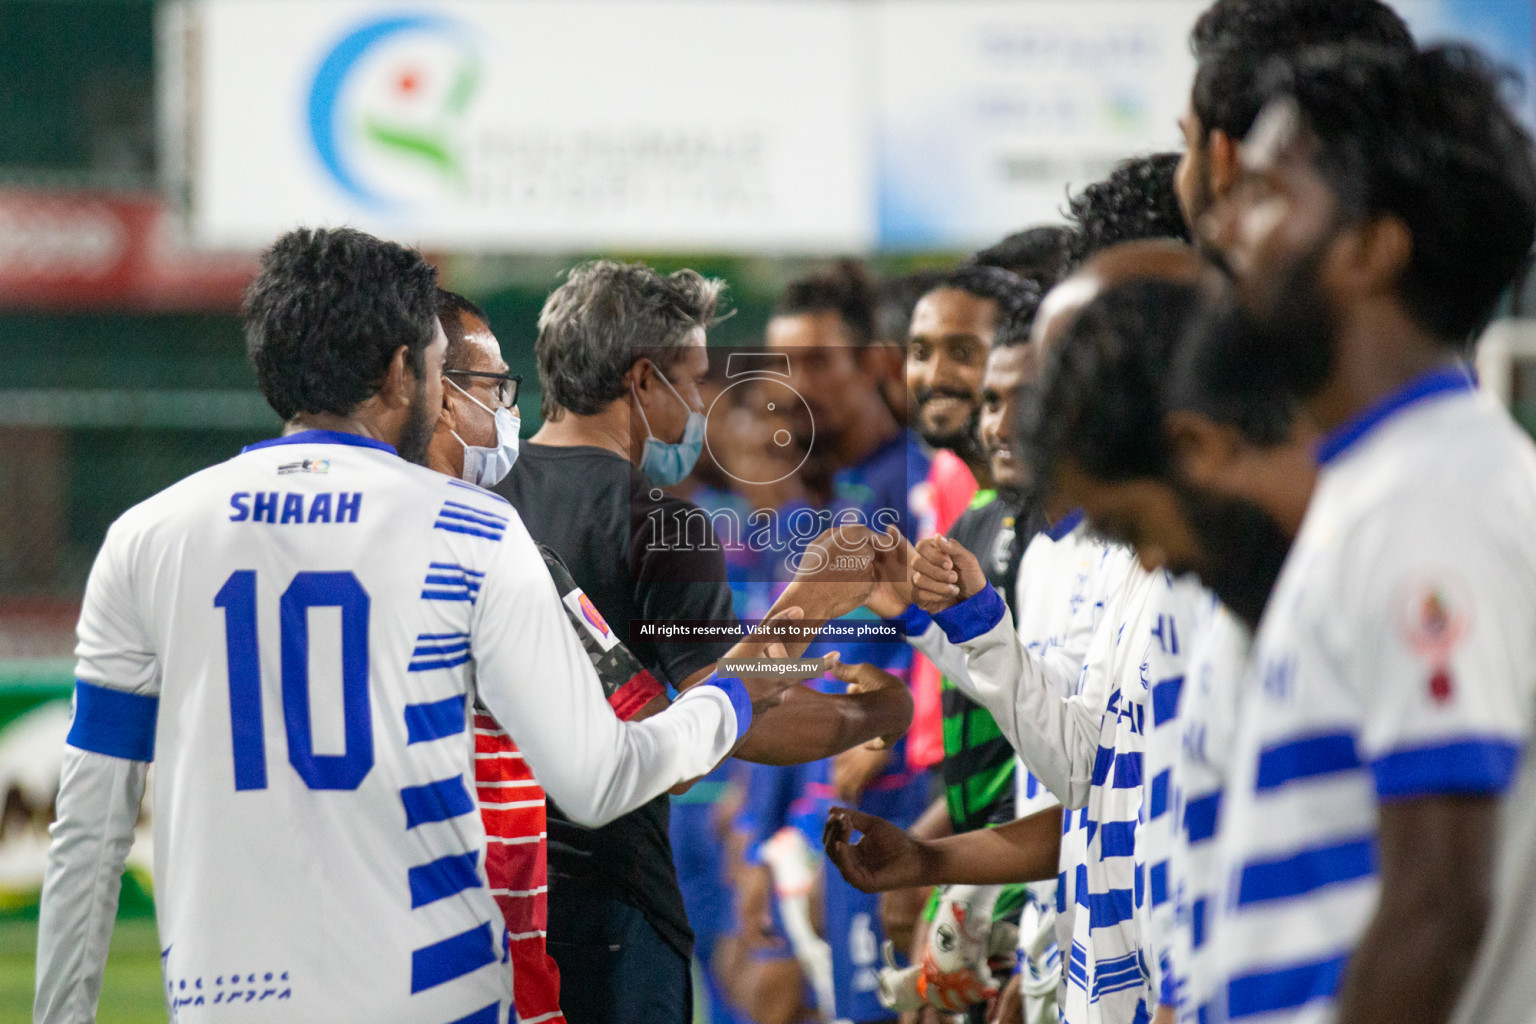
(535,677)
(98,805)
(1056,737)
(1437,641)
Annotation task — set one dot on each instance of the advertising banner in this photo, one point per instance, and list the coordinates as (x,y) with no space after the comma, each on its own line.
(539,124)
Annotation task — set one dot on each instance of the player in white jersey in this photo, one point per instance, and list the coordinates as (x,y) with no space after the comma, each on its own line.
(1086,746)
(1379,838)
(296,636)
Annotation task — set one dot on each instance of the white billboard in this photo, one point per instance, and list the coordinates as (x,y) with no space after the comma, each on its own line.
(990,109)
(534,124)
(741,125)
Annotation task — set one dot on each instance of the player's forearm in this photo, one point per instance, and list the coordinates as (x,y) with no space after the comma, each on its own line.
(98,805)
(819,604)
(1413,965)
(1436,856)
(809,726)
(1027,850)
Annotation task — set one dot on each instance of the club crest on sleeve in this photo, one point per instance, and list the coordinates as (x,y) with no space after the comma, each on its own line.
(591,619)
(1434,615)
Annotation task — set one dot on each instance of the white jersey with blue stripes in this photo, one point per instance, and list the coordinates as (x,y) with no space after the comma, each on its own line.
(1396,660)
(1206,718)
(296,637)
(1114,953)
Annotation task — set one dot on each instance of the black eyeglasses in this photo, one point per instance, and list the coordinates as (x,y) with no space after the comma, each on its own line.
(507,385)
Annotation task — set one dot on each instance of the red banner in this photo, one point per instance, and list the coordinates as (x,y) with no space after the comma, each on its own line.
(63,249)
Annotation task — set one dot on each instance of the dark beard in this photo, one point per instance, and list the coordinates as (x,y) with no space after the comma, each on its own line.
(1242,549)
(962,442)
(420,424)
(1293,343)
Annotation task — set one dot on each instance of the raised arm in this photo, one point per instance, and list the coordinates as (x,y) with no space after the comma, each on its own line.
(536,678)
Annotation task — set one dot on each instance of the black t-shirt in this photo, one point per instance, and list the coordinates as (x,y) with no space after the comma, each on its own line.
(640,557)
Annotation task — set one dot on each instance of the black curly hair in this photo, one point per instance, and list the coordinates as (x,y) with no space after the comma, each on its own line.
(1036,254)
(327,312)
(1233,38)
(1136,202)
(1427,138)
(1017,297)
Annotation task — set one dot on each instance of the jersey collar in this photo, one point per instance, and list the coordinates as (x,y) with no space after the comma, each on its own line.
(322,437)
(1444,380)
(1065,525)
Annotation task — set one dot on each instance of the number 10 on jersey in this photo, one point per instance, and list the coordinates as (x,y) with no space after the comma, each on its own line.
(308,590)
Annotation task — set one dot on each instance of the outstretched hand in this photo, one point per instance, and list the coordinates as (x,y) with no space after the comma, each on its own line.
(886,858)
(865,678)
(850,566)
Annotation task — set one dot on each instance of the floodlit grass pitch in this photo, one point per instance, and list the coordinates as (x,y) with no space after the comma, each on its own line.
(130,994)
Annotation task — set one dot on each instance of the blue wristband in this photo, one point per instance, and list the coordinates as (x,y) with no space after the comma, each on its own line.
(736,691)
(972,617)
(915,621)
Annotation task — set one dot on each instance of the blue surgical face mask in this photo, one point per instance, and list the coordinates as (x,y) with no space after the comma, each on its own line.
(664,463)
(487,467)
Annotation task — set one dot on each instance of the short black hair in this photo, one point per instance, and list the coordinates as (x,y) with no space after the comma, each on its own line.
(1136,202)
(1099,403)
(844,288)
(326,313)
(1233,38)
(1017,298)
(895,298)
(452,309)
(1037,254)
(1426,138)
(1224,370)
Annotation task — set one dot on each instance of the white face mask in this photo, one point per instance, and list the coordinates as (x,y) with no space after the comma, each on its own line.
(487,467)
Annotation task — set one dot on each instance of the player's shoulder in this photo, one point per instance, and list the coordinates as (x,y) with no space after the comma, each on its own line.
(1457,467)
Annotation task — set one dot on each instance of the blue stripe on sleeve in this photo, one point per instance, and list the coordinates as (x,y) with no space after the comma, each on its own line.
(433,721)
(1481,765)
(741,702)
(1165,699)
(1284,989)
(915,621)
(452,958)
(114,722)
(436,801)
(972,617)
(1200,817)
(1307,758)
(1307,871)
(441,878)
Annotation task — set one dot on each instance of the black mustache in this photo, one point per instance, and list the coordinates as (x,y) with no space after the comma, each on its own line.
(926,395)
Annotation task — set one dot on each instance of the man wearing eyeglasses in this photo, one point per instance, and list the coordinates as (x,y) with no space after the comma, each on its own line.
(476,440)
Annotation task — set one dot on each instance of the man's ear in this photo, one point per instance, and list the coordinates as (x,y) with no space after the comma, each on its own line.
(447,419)
(1221,162)
(639,374)
(1376,255)
(1203,450)
(399,386)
